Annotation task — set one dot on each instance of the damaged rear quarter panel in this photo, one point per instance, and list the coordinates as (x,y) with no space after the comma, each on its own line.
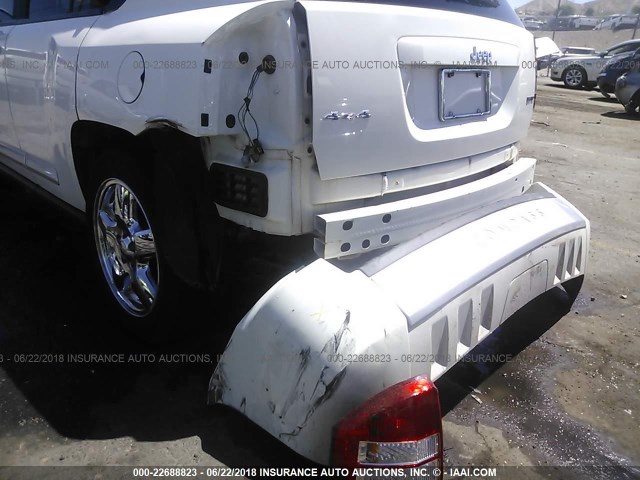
(292,364)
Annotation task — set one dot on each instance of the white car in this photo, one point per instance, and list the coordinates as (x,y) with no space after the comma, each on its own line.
(387,131)
(579,71)
(584,23)
(532,23)
(608,22)
(625,22)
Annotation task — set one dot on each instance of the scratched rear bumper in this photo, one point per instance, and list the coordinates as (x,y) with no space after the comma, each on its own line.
(332,334)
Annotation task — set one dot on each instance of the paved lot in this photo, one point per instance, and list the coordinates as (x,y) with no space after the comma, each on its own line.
(566,392)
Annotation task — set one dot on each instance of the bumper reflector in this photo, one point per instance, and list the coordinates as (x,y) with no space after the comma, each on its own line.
(400,427)
(398,453)
(240,189)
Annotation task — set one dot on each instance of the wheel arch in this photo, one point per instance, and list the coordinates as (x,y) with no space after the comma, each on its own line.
(174,161)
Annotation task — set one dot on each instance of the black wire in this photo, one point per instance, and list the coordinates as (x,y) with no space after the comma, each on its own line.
(245,109)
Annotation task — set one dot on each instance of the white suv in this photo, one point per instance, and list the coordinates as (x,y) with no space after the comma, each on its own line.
(386,130)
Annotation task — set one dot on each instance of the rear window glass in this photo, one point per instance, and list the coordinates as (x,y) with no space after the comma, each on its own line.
(496,9)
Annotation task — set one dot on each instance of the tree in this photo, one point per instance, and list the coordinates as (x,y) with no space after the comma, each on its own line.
(589,12)
(635,10)
(566,10)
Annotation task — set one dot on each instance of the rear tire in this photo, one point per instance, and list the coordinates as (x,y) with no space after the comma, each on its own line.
(574,76)
(634,104)
(121,215)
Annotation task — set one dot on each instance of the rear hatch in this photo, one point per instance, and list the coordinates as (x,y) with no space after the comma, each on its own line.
(398,86)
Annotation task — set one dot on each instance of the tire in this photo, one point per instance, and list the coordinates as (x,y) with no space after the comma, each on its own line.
(634,104)
(574,76)
(121,218)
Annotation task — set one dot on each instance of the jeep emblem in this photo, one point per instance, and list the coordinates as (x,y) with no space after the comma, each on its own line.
(482,57)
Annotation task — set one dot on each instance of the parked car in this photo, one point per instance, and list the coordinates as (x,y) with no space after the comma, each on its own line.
(370,130)
(560,23)
(548,59)
(608,22)
(546,52)
(578,71)
(578,51)
(584,23)
(612,70)
(628,87)
(625,22)
(532,23)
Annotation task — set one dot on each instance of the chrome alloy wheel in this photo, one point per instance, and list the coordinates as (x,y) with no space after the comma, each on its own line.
(126,247)
(573,77)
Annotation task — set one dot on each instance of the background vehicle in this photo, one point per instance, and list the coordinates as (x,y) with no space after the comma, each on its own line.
(578,51)
(560,23)
(532,23)
(628,87)
(608,22)
(612,70)
(584,23)
(550,52)
(546,52)
(582,71)
(625,22)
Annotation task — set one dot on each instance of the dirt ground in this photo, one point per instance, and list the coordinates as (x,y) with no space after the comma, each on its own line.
(571,396)
(567,394)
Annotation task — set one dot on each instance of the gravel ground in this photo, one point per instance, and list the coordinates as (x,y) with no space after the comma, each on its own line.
(566,395)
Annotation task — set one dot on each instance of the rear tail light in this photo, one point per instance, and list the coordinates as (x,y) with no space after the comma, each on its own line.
(401,427)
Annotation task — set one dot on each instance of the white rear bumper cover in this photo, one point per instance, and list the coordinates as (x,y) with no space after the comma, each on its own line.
(331,335)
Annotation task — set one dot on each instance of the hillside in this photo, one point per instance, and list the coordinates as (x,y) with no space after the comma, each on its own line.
(608,7)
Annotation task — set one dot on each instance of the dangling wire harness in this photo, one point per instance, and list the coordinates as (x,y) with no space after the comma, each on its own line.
(254,149)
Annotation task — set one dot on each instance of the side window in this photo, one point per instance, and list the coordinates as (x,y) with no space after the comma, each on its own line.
(623,49)
(48,9)
(42,10)
(6,10)
(84,6)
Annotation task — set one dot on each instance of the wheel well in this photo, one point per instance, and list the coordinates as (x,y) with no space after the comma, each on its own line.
(573,65)
(89,139)
(175,163)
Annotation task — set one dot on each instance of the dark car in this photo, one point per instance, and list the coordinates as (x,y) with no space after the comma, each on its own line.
(613,69)
(628,87)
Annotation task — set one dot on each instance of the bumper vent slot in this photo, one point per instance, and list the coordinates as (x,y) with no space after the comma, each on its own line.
(240,189)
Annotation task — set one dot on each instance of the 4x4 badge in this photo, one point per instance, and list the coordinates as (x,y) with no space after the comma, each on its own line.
(347,116)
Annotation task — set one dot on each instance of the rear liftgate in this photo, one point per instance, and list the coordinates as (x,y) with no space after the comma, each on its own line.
(331,360)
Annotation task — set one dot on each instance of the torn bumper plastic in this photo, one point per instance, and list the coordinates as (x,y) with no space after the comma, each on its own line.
(331,335)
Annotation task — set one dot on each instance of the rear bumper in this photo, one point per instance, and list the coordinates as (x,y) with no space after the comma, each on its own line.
(607,83)
(333,334)
(366,229)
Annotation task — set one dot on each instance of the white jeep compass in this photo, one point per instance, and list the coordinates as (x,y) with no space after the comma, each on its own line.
(386,131)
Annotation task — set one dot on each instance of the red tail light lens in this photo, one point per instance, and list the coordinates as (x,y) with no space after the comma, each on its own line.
(399,427)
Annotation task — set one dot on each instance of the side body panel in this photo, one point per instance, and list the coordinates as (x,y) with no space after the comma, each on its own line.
(9,145)
(41,89)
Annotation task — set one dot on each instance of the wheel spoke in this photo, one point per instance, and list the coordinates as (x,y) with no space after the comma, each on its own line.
(144,287)
(123,204)
(145,246)
(127,286)
(107,224)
